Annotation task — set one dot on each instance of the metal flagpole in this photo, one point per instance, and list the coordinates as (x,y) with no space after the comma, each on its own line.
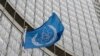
(63,41)
(10,29)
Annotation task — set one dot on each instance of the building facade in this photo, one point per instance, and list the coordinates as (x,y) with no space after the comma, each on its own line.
(80,18)
(10,38)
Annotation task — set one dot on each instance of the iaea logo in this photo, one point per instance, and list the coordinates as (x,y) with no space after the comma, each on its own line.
(44,36)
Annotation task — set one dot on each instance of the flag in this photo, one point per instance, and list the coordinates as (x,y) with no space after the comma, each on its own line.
(46,35)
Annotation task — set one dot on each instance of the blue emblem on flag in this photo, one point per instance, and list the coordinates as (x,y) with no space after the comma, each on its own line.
(46,35)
